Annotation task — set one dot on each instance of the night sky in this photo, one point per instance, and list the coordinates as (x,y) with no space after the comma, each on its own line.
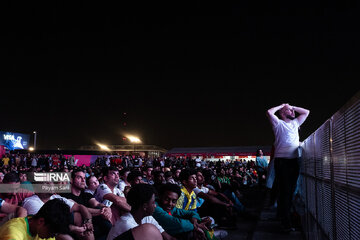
(176,74)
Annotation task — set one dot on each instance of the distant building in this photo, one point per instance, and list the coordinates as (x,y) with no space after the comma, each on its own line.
(220,153)
(139,149)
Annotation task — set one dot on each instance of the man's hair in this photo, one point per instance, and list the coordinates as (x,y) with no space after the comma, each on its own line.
(168,174)
(258,152)
(186,173)
(134,174)
(123,171)
(56,214)
(139,194)
(73,173)
(157,173)
(147,167)
(106,170)
(11,177)
(169,187)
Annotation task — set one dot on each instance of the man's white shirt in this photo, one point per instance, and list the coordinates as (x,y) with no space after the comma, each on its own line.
(34,203)
(102,190)
(127,222)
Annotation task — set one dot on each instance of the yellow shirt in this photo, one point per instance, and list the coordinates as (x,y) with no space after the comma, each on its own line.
(17,229)
(186,201)
(6,161)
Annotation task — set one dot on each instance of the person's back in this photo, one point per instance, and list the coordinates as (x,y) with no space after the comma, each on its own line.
(134,224)
(15,227)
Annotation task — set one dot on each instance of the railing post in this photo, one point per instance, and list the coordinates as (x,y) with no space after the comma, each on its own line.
(332,180)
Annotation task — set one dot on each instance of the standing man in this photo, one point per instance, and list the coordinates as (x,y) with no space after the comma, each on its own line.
(261,167)
(286,131)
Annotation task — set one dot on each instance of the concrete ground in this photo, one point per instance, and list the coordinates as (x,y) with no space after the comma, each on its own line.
(264,225)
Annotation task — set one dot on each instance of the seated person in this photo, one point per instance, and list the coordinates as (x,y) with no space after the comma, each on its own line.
(133,225)
(169,177)
(80,226)
(214,203)
(92,183)
(134,177)
(24,181)
(8,211)
(101,214)
(148,175)
(53,218)
(159,180)
(18,194)
(182,224)
(123,182)
(187,199)
(108,194)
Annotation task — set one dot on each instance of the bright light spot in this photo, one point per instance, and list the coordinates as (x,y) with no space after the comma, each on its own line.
(103,147)
(31,149)
(134,139)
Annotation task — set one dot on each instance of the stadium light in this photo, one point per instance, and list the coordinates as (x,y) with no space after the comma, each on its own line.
(103,147)
(134,139)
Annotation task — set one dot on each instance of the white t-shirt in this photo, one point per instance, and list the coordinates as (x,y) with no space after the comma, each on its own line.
(121,185)
(34,203)
(286,138)
(127,222)
(197,190)
(102,190)
(198,162)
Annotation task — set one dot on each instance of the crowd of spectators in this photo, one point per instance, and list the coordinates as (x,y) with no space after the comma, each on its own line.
(124,197)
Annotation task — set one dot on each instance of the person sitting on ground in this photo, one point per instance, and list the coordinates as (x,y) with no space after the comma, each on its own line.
(18,194)
(134,177)
(135,224)
(169,177)
(108,194)
(148,176)
(80,224)
(24,181)
(123,182)
(182,224)
(159,180)
(187,199)
(9,211)
(101,214)
(176,175)
(214,203)
(53,218)
(92,183)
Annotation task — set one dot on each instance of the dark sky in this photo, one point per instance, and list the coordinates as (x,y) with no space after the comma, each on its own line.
(186,74)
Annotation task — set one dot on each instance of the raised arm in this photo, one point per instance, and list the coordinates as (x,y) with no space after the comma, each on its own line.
(303,114)
(271,113)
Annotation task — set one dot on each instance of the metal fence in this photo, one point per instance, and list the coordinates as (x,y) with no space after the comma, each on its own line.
(330,176)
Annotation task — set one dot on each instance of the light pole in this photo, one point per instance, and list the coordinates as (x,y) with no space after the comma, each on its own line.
(34,140)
